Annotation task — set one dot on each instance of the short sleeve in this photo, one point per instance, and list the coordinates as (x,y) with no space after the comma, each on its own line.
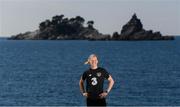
(106,74)
(84,76)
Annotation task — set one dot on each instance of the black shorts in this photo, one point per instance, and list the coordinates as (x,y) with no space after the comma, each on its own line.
(96,102)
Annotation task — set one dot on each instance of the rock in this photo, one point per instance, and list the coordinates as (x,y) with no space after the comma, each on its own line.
(25,36)
(133,26)
(133,30)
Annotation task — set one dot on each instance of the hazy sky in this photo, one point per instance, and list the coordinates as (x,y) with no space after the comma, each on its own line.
(19,16)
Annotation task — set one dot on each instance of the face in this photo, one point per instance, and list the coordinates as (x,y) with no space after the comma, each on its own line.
(93,61)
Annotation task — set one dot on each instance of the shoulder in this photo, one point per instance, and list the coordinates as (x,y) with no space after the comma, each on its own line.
(86,71)
(104,72)
(84,75)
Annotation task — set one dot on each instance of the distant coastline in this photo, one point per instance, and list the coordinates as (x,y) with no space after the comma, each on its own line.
(175,37)
(60,28)
(4,38)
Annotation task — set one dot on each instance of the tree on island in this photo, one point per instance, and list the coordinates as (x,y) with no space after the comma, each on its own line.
(90,24)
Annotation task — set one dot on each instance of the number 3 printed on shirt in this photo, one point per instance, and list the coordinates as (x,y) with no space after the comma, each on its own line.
(94,81)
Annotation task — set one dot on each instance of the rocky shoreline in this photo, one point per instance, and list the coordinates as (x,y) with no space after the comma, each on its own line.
(60,28)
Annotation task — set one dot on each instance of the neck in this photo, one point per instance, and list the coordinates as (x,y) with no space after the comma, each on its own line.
(94,67)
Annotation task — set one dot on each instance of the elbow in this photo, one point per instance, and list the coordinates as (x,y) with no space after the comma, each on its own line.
(112,82)
(80,83)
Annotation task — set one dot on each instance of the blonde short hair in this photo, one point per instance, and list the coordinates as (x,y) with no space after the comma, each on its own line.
(90,56)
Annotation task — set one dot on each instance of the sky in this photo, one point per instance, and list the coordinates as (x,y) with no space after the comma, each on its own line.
(19,16)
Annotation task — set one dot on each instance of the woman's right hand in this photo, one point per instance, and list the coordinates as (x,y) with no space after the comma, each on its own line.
(85,94)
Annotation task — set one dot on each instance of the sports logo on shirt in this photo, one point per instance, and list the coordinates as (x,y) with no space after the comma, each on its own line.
(98,74)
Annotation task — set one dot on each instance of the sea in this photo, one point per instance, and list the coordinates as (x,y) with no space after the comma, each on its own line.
(47,72)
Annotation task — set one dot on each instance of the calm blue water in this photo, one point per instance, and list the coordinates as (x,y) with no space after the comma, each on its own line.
(48,72)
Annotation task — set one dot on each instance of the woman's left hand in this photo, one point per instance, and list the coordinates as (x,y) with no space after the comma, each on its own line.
(103,95)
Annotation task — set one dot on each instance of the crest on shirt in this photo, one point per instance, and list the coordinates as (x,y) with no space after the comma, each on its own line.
(98,74)
(90,75)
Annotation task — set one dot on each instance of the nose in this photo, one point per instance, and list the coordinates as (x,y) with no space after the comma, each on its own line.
(93,61)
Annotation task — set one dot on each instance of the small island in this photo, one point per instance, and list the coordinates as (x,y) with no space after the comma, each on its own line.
(60,28)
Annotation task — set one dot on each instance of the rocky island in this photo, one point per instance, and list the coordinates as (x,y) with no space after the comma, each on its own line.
(60,28)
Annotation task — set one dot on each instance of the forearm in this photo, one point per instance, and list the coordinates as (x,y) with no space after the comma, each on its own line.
(81,86)
(110,85)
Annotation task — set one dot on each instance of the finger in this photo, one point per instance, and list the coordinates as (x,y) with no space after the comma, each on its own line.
(100,95)
(85,95)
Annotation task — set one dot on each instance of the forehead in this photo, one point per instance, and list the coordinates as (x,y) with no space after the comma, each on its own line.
(93,58)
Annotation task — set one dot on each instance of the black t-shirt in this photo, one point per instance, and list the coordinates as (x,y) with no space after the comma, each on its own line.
(94,81)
